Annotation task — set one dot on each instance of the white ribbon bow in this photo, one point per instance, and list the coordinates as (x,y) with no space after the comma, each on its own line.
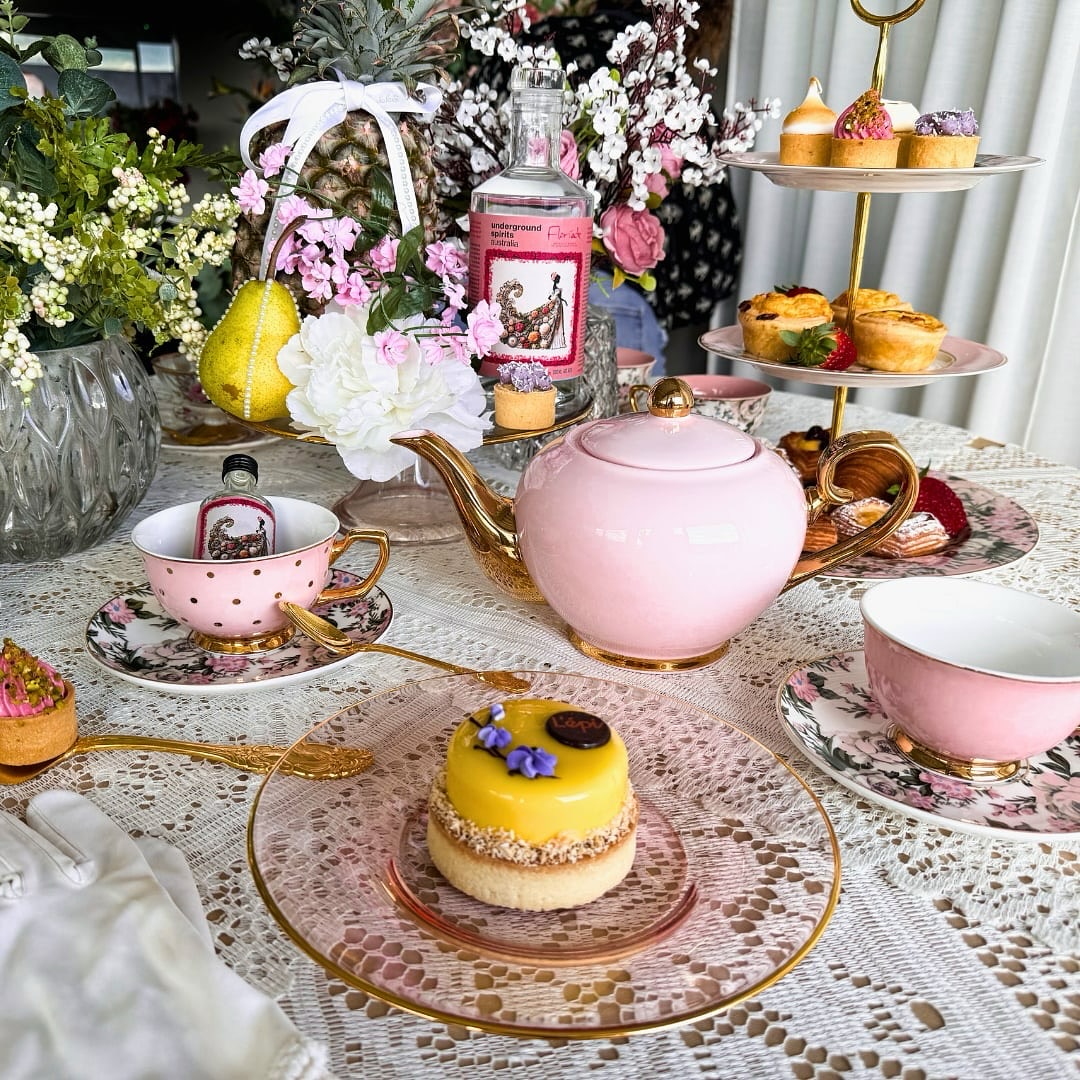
(312,109)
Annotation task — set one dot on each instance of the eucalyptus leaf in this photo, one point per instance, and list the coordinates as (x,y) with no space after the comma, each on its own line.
(84,95)
(10,75)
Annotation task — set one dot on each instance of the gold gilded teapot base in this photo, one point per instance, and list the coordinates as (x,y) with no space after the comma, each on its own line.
(639,663)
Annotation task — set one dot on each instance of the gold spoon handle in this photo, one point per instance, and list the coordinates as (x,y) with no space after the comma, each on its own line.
(315,761)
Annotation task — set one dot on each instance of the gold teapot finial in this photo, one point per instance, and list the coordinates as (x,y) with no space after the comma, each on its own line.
(668,397)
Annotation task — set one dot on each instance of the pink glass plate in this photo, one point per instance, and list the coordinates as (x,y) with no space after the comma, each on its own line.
(1002,532)
(736,874)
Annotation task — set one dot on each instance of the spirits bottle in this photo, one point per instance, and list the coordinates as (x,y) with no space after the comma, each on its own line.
(530,241)
(235,522)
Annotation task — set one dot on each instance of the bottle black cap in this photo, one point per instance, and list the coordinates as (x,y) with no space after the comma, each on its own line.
(240,461)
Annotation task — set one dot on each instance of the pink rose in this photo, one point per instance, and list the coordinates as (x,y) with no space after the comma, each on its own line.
(670,162)
(568,156)
(656,183)
(633,238)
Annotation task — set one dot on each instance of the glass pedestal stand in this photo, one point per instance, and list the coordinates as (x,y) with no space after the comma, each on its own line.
(413,507)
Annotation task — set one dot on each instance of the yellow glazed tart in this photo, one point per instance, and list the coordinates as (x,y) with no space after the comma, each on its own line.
(893,340)
(37,709)
(534,808)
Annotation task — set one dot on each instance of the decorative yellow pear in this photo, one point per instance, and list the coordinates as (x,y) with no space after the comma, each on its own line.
(238,368)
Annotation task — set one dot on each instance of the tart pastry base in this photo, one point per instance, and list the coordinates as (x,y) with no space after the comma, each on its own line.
(29,740)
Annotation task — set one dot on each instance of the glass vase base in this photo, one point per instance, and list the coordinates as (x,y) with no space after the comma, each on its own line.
(408,508)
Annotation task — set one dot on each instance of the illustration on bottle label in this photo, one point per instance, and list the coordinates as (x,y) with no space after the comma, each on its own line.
(537,271)
(237,529)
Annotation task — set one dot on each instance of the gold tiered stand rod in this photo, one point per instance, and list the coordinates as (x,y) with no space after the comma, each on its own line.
(884,23)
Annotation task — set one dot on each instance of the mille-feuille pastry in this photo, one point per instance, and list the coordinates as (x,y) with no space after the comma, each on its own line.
(944,140)
(895,340)
(765,315)
(806,132)
(920,534)
(866,300)
(863,136)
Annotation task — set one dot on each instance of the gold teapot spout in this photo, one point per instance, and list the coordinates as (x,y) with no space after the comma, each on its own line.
(486,516)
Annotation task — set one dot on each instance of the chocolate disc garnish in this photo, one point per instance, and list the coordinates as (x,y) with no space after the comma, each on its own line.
(581,730)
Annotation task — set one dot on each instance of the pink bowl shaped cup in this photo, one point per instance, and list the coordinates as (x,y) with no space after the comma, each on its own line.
(972,672)
(737,401)
(232,606)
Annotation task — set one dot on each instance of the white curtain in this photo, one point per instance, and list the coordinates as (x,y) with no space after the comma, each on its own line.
(999,263)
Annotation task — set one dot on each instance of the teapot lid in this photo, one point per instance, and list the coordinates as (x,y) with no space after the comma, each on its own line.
(669,437)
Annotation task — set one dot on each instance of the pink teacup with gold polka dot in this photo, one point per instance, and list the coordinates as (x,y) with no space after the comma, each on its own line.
(232,606)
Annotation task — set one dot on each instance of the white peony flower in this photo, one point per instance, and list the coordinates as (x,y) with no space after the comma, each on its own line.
(355,399)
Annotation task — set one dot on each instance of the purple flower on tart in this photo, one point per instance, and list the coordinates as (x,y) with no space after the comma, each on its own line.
(525,376)
(531,761)
(493,737)
(948,122)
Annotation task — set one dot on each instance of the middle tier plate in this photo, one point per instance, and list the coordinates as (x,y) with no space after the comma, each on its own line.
(957,357)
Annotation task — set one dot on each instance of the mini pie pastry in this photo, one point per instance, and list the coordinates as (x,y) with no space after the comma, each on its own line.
(895,340)
(920,534)
(763,317)
(867,300)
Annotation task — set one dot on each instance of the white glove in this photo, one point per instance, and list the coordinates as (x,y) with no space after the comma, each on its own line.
(107,968)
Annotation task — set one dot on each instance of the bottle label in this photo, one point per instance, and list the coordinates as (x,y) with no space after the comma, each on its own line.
(537,270)
(234,527)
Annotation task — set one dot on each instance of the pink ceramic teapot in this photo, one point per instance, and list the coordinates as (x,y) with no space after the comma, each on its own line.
(657,536)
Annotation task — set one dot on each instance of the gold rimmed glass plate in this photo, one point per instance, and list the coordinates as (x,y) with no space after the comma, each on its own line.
(736,875)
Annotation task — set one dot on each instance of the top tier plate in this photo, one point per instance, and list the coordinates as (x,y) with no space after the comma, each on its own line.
(885,181)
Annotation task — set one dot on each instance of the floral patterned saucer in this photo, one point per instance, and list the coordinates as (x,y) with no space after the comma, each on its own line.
(830,715)
(1002,532)
(133,638)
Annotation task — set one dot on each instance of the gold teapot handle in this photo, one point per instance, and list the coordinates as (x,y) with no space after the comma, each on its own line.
(825,494)
(339,547)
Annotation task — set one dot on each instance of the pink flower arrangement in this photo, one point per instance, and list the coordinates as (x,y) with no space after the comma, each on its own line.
(633,238)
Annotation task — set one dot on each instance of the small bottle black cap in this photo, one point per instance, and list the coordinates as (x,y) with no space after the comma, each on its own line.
(240,461)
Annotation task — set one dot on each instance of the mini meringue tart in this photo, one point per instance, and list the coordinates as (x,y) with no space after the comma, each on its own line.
(806,133)
(903,115)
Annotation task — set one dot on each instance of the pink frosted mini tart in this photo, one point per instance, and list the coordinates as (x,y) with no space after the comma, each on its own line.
(37,709)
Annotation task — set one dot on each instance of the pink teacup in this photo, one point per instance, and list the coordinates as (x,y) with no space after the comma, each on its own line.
(232,606)
(737,401)
(972,677)
(632,366)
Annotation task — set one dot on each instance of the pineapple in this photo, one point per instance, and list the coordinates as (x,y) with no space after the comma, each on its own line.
(365,41)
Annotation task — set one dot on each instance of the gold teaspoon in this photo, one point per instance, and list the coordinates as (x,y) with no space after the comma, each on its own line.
(314,761)
(326,634)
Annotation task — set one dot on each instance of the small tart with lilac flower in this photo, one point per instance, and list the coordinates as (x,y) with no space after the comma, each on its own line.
(534,809)
(863,137)
(944,140)
(524,396)
(37,709)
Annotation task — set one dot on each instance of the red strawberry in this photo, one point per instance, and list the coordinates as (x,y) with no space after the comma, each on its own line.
(795,290)
(822,346)
(937,498)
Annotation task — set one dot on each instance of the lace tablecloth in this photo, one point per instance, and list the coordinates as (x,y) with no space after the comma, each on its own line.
(949,955)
